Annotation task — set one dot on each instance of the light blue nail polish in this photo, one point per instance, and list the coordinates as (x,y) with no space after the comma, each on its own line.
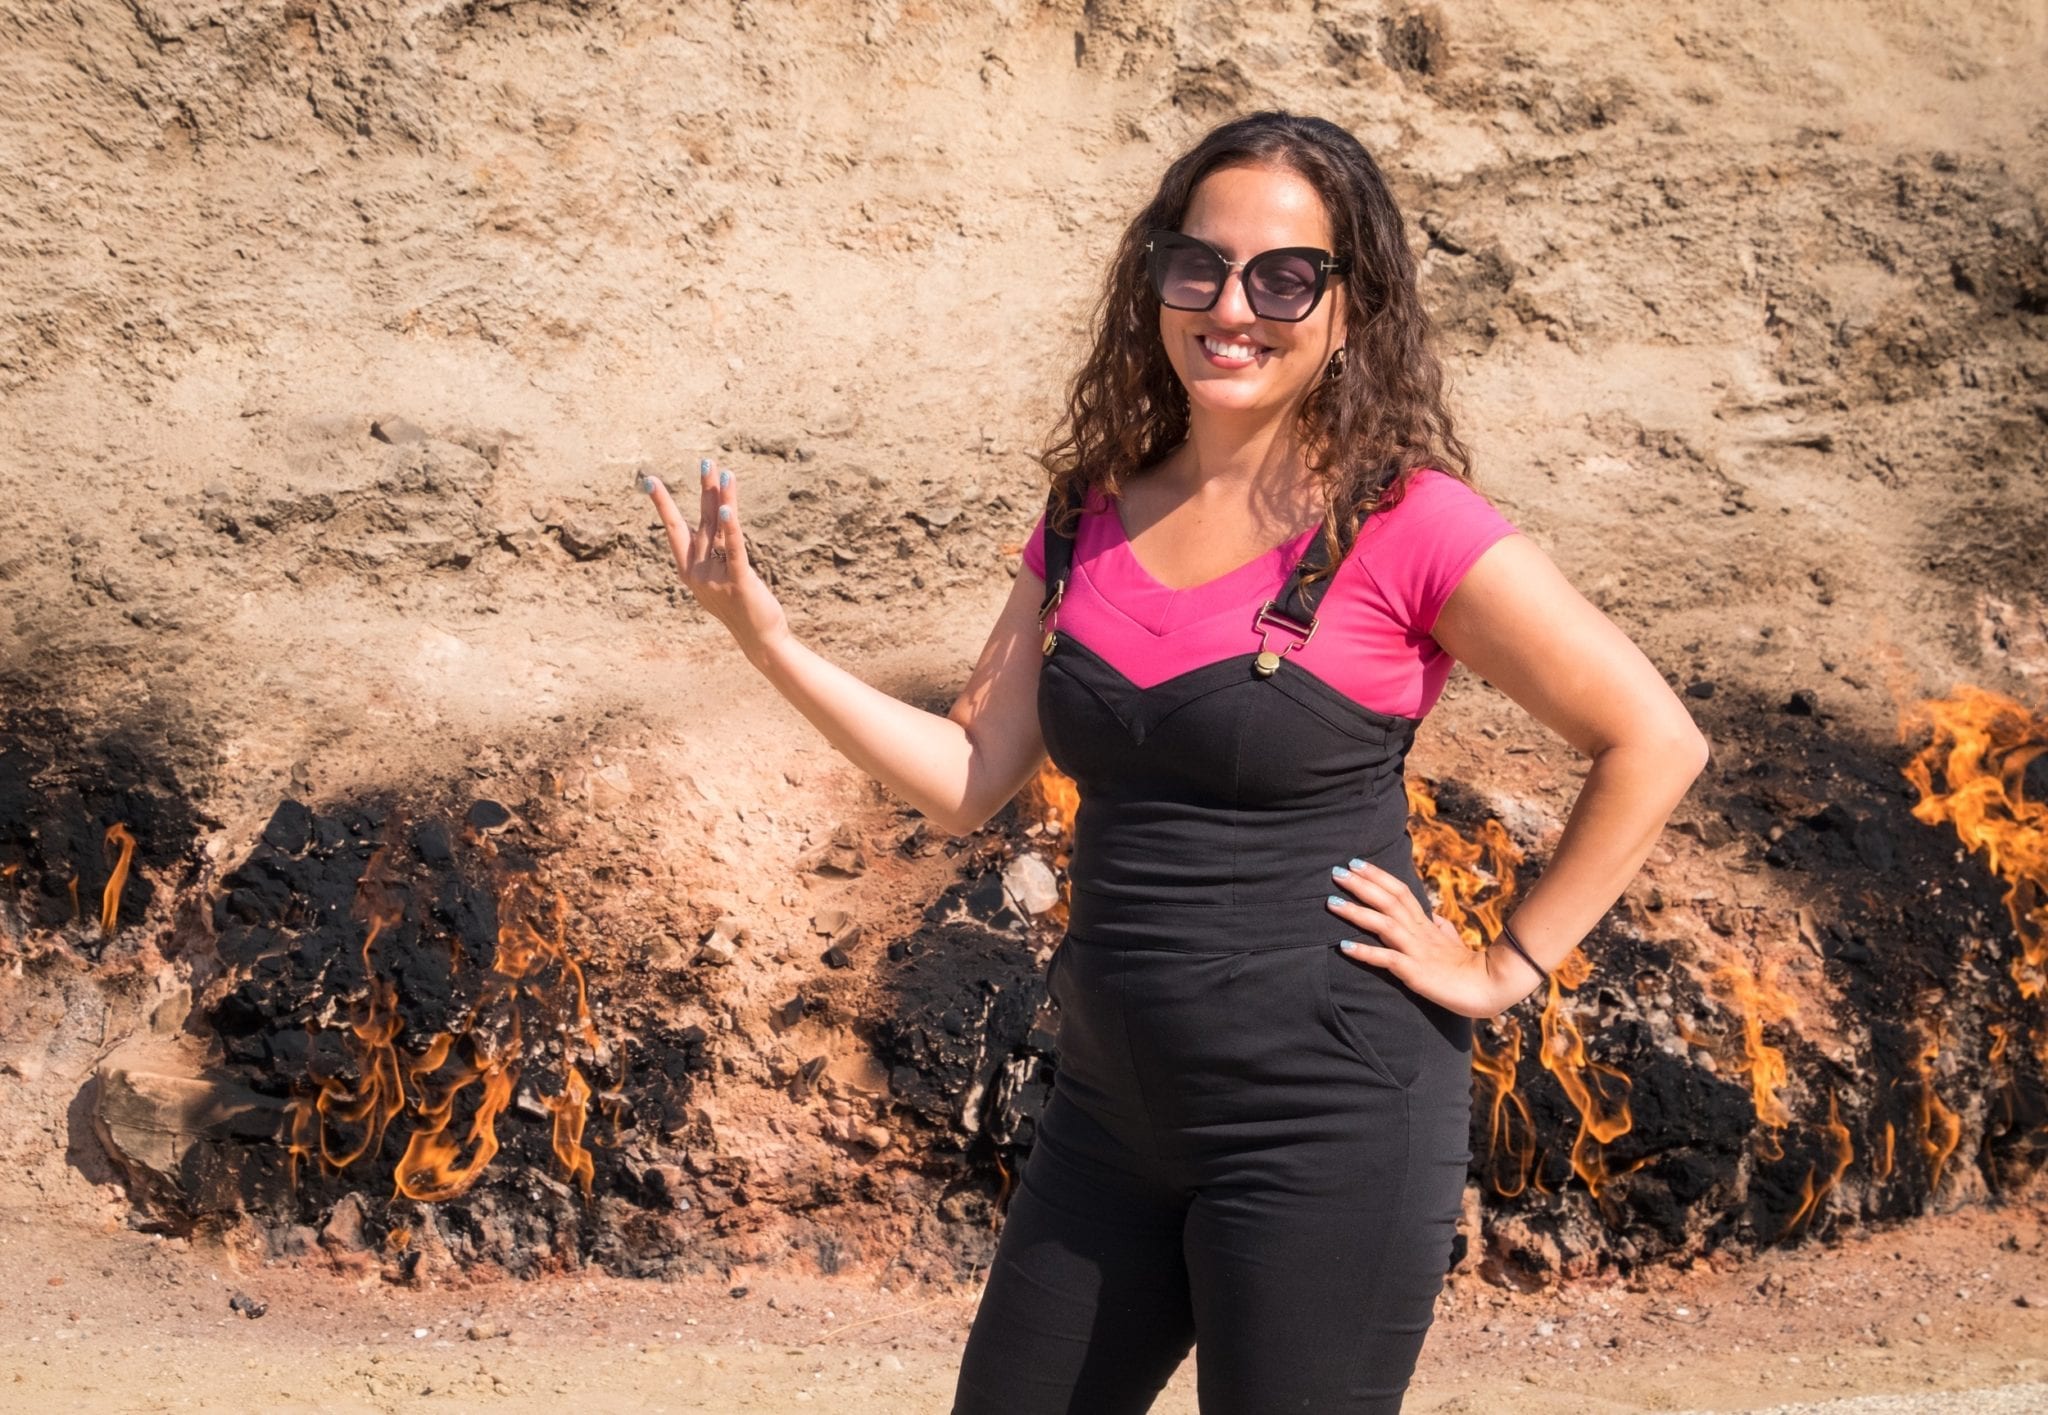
(725,513)
(724,477)
(1339,871)
(703,466)
(1358,864)
(1336,899)
(1347,944)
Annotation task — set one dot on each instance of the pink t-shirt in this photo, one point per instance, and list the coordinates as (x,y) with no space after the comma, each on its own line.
(1372,640)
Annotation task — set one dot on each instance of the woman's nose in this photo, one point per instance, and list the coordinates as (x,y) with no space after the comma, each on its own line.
(1232,305)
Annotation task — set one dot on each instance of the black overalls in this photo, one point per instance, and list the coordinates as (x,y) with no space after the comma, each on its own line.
(1254,1145)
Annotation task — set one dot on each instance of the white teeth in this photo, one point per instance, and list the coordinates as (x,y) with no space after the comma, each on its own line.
(1230,351)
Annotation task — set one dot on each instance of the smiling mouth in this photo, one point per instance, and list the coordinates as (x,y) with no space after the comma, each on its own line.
(1240,350)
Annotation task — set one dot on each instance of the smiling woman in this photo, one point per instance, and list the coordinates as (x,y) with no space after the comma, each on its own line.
(1260,554)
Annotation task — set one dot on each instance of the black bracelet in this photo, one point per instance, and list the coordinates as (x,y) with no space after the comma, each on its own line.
(1516,944)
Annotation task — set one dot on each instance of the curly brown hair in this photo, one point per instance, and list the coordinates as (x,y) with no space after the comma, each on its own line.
(1363,427)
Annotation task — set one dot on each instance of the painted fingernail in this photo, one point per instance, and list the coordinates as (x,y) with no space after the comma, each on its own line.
(724,477)
(703,466)
(1358,864)
(1348,945)
(1336,899)
(725,513)
(1339,871)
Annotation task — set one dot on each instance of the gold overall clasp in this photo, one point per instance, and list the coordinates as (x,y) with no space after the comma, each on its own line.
(1269,659)
(1051,605)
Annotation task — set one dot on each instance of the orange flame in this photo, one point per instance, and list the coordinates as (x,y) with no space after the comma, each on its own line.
(1603,1117)
(571,1110)
(110,899)
(1056,800)
(1509,1128)
(1451,865)
(1758,1000)
(436,1165)
(1845,1151)
(1940,1127)
(1982,743)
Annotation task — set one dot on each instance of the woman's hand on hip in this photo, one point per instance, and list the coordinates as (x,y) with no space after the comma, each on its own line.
(712,559)
(1423,950)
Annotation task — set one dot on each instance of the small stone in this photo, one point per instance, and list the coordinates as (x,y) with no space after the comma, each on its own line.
(343,1231)
(1031,884)
(484,1328)
(1699,688)
(879,1136)
(2036,1300)
(610,786)
(435,849)
(717,950)
(397,431)
(586,537)
(488,816)
(248,1306)
(1921,1319)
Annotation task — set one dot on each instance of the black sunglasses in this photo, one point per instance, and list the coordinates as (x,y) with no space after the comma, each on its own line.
(1283,284)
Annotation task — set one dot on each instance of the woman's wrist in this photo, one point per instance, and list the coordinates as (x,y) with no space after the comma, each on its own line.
(763,653)
(1512,963)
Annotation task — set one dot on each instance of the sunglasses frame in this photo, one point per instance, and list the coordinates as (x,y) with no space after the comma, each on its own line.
(1325,263)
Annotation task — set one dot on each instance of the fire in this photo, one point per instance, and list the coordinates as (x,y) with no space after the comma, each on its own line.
(1509,1126)
(1941,1128)
(1598,1092)
(1056,799)
(1758,1001)
(486,1052)
(1982,743)
(110,900)
(1450,865)
(571,1110)
(1845,1151)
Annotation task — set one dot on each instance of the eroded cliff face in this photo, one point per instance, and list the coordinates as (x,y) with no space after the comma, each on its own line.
(338,334)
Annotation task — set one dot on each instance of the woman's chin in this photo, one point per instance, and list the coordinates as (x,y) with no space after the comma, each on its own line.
(1233,397)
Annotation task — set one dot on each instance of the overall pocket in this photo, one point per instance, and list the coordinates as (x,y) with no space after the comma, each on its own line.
(1367,1013)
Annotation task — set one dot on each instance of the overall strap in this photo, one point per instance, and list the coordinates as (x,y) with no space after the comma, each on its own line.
(1294,607)
(1059,558)
(1059,553)
(1297,600)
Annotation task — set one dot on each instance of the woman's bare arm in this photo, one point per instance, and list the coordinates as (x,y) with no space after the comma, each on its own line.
(1519,624)
(959,769)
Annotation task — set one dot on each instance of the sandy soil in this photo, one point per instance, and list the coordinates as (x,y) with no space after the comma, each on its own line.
(116,1321)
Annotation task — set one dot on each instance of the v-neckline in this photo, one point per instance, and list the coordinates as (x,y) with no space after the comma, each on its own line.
(1262,562)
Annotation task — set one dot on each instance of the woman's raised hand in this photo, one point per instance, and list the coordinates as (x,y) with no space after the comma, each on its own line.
(712,559)
(1423,950)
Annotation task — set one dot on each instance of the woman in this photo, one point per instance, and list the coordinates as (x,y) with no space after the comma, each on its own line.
(1257,1139)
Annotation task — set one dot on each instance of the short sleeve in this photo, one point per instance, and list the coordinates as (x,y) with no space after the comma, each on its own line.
(1428,541)
(1034,548)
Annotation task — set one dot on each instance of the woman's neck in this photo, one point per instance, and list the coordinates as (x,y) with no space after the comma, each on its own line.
(1242,463)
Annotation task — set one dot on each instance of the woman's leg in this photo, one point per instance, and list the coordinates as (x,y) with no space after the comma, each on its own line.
(1320,1301)
(1086,1310)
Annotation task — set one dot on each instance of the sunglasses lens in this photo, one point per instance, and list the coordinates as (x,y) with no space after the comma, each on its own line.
(1281,286)
(1185,276)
